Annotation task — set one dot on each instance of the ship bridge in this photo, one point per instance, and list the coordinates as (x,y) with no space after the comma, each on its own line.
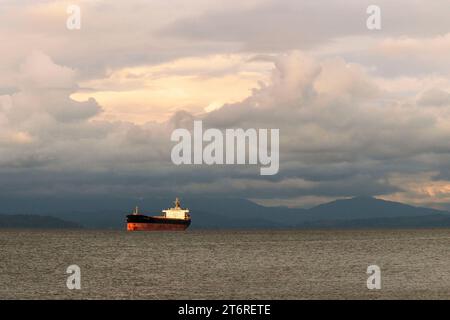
(177,212)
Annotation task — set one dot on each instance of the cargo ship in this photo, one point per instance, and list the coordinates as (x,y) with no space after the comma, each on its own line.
(172,219)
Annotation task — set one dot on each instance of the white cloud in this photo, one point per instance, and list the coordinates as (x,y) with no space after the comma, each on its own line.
(38,71)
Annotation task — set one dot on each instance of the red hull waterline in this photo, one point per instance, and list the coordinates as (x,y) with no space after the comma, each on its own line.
(156,227)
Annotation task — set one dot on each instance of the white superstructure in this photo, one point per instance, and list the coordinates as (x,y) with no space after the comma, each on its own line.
(177,212)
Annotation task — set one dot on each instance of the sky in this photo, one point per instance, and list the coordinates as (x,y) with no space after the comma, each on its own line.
(360,111)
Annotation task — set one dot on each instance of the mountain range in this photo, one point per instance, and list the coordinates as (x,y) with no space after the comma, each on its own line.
(29,221)
(225,213)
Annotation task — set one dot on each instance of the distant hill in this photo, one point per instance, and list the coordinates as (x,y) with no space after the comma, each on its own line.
(367,207)
(357,212)
(35,222)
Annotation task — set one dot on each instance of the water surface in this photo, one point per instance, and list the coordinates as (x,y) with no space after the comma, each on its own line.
(299,264)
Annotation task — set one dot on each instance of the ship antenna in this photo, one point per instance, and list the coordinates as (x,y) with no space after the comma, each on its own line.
(136,210)
(177,203)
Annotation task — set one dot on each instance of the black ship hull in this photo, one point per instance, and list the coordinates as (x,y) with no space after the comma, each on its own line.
(154,223)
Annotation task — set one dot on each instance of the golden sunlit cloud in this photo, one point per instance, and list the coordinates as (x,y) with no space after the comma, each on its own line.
(153,93)
(419,189)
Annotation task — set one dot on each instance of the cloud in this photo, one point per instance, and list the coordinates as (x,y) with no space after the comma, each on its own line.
(115,36)
(417,47)
(339,127)
(91,111)
(38,71)
(434,97)
(425,55)
(156,92)
(44,88)
(287,25)
(339,137)
(42,116)
(420,188)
